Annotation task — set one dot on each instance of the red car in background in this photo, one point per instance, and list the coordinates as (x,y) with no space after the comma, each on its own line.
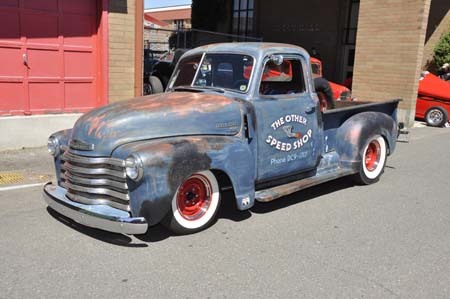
(433,100)
(340,92)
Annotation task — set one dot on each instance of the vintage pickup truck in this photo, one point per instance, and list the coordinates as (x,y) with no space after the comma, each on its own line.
(167,158)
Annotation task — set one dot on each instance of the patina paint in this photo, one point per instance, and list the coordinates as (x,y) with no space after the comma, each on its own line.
(353,134)
(177,134)
(168,162)
(157,116)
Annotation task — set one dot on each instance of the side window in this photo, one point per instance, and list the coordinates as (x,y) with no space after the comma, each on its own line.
(187,69)
(284,78)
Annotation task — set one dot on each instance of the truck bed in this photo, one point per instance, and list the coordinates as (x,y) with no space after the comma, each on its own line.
(334,118)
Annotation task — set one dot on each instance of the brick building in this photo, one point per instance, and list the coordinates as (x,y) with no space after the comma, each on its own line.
(380,43)
(61,57)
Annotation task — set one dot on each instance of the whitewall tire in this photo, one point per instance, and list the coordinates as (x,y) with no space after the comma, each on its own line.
(194,204)
(373,160)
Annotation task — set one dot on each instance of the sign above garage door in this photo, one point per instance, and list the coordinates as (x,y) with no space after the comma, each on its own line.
(50,56)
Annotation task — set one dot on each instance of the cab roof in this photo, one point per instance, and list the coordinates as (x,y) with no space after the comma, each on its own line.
(255,49)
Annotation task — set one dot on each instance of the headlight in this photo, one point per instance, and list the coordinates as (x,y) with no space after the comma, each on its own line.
(134,167)
(53,146)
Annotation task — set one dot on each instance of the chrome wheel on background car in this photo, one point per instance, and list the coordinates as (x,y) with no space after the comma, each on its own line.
(195,203)
(436,117)
(373,160)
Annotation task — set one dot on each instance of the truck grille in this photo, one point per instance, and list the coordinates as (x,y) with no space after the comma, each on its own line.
(95,181)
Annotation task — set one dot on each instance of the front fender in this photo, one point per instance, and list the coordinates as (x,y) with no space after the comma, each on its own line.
(168,162)
(355,131)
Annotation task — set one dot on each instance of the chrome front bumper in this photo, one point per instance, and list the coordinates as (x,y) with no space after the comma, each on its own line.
(97,216)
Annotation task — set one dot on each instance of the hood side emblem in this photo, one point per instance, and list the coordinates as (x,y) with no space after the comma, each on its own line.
(80,145)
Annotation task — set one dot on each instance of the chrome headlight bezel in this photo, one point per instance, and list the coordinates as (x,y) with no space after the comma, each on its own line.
(134,168)
(53,146)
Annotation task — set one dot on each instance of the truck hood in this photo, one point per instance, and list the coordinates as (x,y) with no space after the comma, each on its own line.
(100,131)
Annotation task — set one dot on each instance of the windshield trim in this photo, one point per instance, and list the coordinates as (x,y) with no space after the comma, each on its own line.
(198,69)
(204,53)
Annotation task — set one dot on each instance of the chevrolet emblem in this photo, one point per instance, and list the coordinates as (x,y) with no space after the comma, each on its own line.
(80,145)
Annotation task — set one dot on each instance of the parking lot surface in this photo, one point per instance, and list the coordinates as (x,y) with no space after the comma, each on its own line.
(337,240)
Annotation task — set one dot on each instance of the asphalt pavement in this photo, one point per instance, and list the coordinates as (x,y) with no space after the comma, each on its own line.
(336,240)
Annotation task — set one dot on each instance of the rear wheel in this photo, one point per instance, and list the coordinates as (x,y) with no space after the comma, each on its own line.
(156,85)
(373,161)
(195,204)
(436,117)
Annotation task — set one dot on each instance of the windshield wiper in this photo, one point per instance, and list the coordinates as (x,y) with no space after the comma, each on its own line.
(187,88)
(198,88)
(218,89)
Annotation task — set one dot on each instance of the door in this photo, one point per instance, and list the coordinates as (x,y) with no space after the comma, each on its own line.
(288,131)
(48,56)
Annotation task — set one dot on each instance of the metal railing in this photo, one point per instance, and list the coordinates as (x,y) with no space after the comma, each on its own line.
(159,39)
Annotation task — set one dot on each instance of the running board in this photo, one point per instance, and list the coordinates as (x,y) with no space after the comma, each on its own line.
(286,189)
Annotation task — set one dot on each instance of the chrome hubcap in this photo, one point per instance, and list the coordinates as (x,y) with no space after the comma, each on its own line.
(436,116)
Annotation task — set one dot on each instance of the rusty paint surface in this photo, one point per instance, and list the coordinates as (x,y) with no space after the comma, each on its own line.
(255,140)
(157,116)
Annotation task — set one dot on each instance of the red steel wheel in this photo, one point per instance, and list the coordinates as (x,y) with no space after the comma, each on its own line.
(194,197)
(373,154)
(373,160)
(195,203)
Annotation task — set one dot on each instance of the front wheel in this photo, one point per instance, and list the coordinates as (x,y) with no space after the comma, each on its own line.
(195,204)
(373,161)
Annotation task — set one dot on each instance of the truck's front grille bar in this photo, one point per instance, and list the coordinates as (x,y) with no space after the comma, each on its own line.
(96,181)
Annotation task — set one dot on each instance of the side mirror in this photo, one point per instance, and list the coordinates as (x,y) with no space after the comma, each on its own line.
(276,59)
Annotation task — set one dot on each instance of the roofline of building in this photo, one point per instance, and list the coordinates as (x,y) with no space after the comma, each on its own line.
(167,8)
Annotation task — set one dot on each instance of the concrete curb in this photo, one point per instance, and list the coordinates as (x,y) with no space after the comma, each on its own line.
(32,131)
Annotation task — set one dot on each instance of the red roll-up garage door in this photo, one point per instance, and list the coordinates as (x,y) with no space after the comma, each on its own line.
(49,57)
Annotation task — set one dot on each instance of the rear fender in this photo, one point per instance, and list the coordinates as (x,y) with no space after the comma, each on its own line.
(355,131)
(168,162)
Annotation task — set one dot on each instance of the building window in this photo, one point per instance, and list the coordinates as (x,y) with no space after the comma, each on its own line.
(178,24)
(243,17)
(352,23)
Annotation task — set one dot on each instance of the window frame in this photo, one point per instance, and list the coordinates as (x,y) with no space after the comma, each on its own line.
(304,72)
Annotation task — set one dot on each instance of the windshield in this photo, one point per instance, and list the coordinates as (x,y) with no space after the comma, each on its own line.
(227,71)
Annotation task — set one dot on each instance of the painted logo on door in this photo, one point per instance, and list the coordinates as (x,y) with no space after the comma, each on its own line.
(288,125)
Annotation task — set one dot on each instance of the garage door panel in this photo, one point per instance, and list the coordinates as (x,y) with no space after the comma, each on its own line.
(73,67)
(10,33)
(79,95)
(45,96)
(48,56)
(40,28)
(12,97)
(9,3)
(44,5)
(43,63)
(78,30)
(11,62)
(82,7)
